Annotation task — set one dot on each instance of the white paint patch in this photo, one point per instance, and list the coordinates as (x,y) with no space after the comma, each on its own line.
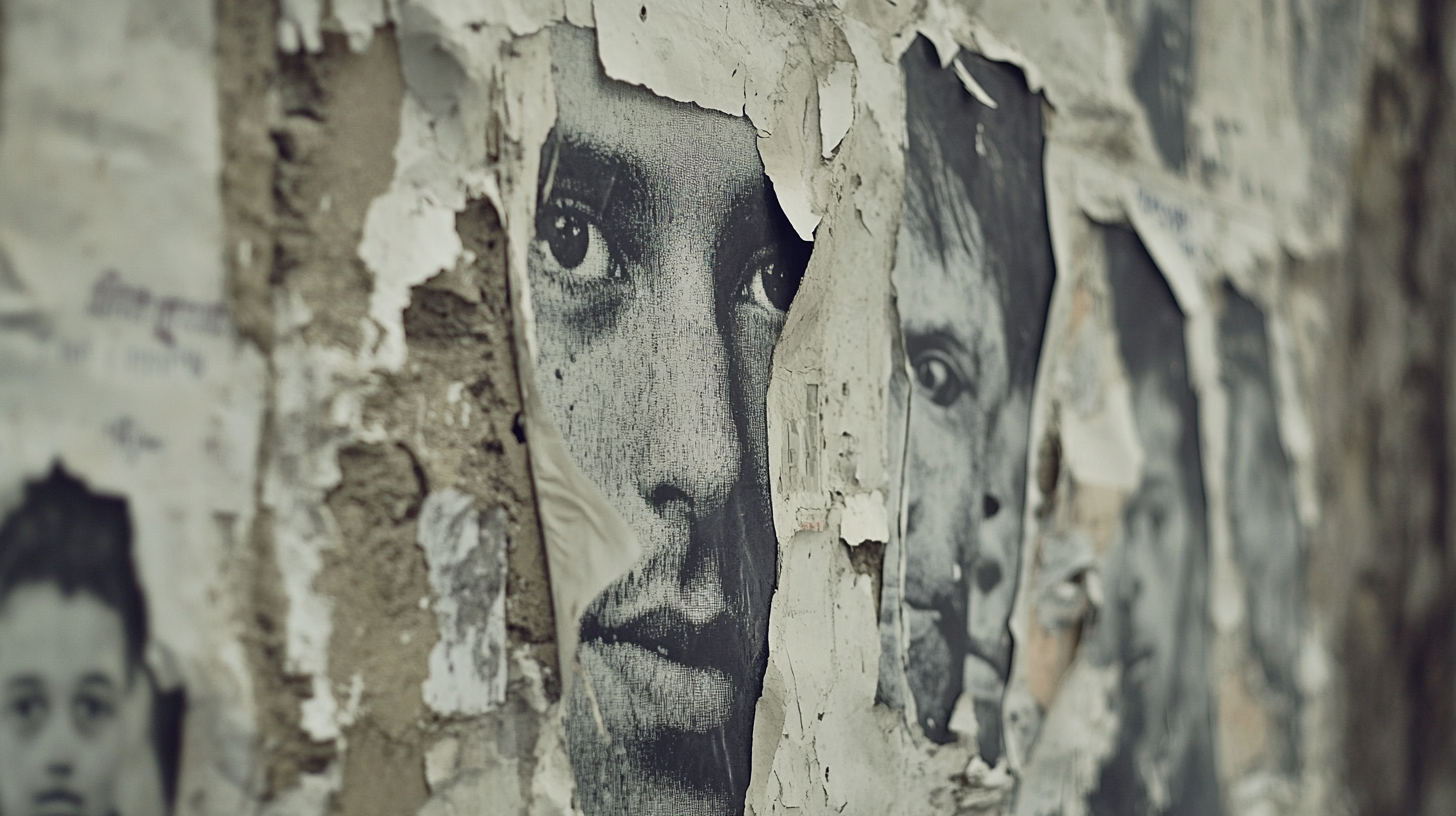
(864,519)
(836,106)
(466,553)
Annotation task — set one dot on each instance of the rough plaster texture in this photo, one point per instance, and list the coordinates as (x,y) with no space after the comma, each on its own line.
(1383,560)
(308,141)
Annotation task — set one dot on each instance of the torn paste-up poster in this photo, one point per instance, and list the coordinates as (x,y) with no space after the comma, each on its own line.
(1115,645)
(973,276)
(661,272)
(1152,626)
(1268,548)
(1161,35)
(130,415)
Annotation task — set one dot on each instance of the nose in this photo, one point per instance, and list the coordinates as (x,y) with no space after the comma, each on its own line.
(692,439)
(57,748)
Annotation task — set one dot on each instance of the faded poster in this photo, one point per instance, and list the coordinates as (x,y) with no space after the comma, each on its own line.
(973,276)
(1153,626)
(661,274)
(84,727)
(1264,522)
(1161,34)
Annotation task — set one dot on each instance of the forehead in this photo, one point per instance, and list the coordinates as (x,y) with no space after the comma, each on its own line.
(941,279)
(45,632)
(665,140)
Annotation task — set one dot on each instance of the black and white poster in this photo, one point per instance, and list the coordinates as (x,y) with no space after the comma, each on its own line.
(84,730)
(973,276)
(1153,625)
(1263,520)
(661,274)
(1161,34)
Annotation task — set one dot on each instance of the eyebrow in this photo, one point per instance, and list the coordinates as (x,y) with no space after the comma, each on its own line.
(949,339)
(588,169)
(97,678)
(25,682)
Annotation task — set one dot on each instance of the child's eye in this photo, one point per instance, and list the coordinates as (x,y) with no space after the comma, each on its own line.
(92,711)
(29,711)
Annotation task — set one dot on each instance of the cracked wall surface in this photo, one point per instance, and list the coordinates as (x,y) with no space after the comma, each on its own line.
(719,406)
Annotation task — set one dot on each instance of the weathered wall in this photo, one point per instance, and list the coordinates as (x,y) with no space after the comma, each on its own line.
(309,139)
(1382,557)
(1199,532)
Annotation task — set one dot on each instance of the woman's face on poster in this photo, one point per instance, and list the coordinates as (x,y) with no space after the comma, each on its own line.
(63,684)
(661,275)
(958,471)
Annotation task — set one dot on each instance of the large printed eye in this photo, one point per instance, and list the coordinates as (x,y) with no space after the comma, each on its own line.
(937,375)
(769,287)
(569,242)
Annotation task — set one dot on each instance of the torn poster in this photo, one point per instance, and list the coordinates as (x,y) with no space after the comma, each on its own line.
(1266,536)
(661,272)
(1153,626)
(973,274)
(131,418)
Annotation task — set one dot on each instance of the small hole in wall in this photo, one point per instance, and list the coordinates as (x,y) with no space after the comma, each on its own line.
(518,428)
(643,14)
(990,506)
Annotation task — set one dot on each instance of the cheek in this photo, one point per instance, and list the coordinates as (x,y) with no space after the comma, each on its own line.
(752,349)
(98,760)
(587,388)
(941,468)
(753,344)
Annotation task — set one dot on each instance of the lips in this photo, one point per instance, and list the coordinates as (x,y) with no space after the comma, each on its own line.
(671,634)
(58,802)
(660,670)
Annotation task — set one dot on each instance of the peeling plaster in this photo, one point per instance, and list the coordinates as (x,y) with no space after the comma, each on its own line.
(821,84)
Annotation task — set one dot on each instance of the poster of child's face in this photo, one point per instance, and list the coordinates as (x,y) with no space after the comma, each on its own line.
(1153,625)
(973,274)
(661,275)
(83,731)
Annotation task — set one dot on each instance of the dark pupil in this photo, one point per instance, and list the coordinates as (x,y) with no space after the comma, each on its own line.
(779,287)
(567,235)
(936,377)
(927,375)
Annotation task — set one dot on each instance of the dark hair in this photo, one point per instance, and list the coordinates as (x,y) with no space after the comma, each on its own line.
(64,534)
(996,154)
(1150,337)
(1150,327)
